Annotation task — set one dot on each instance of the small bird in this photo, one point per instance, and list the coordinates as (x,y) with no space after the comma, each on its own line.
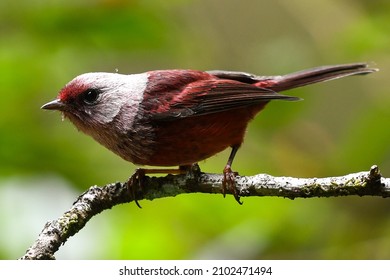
(179,117)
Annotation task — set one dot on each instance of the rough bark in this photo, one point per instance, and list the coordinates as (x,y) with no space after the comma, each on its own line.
(97,199)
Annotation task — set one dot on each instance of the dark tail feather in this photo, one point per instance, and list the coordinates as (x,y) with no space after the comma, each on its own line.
(319,74)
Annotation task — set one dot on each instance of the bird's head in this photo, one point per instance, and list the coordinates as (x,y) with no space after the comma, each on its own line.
(93,100)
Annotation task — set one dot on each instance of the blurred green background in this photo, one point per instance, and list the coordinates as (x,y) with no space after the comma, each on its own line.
(341,126)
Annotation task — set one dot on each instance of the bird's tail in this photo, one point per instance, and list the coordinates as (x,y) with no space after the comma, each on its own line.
(319,74)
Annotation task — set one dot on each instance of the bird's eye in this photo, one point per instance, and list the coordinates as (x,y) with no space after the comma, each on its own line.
(90,96)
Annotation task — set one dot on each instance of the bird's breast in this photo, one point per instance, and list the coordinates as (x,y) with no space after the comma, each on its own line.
(190,140)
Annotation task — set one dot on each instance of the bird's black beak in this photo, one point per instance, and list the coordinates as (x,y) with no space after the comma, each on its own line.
(54,105)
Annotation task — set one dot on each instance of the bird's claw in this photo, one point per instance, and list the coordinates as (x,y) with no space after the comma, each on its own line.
(135,184)
(229,182)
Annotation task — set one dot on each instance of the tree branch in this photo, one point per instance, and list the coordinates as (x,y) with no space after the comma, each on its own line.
(97,199)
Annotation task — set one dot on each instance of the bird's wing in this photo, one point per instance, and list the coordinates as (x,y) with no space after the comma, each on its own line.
(243,77)
(213,95)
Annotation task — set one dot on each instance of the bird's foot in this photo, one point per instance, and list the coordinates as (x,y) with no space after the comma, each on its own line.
(229,182)
(193,170)
(136,182)
(135,185)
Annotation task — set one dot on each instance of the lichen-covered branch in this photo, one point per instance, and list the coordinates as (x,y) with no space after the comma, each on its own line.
(98,199)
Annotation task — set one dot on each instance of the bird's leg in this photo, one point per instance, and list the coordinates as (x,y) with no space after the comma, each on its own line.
(229,177)
(135,184)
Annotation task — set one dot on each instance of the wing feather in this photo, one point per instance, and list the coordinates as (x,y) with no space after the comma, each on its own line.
(216,95)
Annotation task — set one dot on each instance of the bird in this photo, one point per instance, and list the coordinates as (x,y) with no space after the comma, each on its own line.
(179,117)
